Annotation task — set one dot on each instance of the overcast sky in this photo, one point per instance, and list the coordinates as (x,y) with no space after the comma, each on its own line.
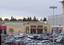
(24,8)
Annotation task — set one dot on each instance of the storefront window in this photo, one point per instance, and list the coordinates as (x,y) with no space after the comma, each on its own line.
(33,29)
(39,31)
(27,29)
(45,29)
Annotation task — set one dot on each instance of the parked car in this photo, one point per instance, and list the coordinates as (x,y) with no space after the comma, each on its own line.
(30,36)
(18,38)
(44,41)
(9,39)
(60,38)
(3,37)
(26,40)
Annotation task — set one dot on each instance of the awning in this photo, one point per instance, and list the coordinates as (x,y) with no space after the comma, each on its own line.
(3,27)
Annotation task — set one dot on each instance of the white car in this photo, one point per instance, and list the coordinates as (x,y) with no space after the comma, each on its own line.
(44,41)
(18,38)
(9,39)
(29,36)
(28,40)
(59,39)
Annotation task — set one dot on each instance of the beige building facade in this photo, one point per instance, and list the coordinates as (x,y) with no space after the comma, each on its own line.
(29,27)
(37,27)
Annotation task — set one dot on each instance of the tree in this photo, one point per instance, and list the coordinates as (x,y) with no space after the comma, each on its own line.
(34,18)
(41,19)
(13,19)
(24,19)
(44,19)
(1,19)
(29,19)
(6,19)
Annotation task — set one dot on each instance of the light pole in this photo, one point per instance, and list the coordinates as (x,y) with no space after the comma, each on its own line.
(53,8)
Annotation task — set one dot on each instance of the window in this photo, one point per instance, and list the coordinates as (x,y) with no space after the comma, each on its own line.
(27,29)
(33,29)
(39,31)
(45,29)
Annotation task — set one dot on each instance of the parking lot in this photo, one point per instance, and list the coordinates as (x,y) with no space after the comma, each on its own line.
(27,40)
(34,44)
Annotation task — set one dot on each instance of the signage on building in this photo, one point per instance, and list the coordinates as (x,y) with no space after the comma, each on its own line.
(3,27)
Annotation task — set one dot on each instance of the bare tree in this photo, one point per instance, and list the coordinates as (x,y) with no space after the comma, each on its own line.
(6,19)
(45,19)
(13,19)
(29,19)
(1,19)
(35,19)
(24,19)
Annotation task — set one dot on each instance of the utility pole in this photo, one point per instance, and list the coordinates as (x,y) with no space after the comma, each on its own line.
(53,8)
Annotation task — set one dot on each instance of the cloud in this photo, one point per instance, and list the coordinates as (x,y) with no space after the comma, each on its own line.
(39,8)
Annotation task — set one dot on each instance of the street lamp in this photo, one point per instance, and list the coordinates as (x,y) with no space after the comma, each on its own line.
(53,8)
